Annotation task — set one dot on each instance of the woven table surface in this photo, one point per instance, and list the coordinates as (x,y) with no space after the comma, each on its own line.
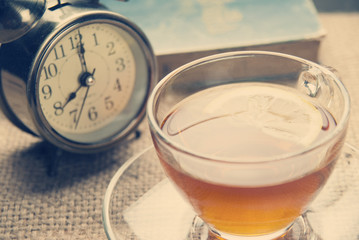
(49,194)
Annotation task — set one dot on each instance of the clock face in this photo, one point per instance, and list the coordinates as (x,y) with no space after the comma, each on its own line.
(91,83)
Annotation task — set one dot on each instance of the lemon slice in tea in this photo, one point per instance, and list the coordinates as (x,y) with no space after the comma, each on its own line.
(245,120)
(276,110)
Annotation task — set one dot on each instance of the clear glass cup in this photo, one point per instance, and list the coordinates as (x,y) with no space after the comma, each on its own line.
(249,139)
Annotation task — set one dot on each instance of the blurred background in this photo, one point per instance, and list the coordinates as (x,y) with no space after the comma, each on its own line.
(337,5)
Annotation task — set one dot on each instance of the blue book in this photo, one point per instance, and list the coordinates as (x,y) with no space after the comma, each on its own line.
(183,30)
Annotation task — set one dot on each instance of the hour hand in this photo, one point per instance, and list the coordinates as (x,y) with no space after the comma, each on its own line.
(72,96)
(86,79)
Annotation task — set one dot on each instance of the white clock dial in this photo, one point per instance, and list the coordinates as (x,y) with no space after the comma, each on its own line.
(87,80)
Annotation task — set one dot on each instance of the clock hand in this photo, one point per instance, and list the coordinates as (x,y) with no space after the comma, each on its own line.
(89,80)
(81,53)
(84,75)
(82,107)
(72,96)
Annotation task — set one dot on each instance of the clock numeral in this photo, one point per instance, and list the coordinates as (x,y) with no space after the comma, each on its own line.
(120,64)
(72,43)
(75,40)
(61,53)
(50,71)
(74,115)
(109,104)
(59,110)
(111,48)
(47,91)
(95,39)
(92,113)
(117,85)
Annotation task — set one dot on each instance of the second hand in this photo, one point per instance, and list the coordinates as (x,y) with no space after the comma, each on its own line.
(82,107)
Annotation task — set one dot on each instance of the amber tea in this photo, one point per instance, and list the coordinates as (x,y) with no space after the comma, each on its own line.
(250,122)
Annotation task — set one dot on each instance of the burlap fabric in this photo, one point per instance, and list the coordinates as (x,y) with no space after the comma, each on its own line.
(49,194)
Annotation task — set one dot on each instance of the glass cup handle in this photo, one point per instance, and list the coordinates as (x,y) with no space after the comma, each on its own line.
(315,83)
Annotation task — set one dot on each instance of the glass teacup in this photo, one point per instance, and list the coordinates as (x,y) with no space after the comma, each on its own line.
(249,138)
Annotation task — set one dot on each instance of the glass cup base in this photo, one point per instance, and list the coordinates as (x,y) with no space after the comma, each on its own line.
(141,204)
(299,230)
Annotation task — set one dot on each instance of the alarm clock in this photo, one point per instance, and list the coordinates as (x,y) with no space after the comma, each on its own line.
(73,72)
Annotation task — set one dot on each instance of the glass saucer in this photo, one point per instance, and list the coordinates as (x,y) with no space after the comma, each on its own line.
(140,203)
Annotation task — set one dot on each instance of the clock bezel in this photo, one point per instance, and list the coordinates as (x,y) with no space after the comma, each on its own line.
(42,125)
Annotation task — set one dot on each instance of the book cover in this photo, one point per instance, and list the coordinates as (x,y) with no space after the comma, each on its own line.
(183,30)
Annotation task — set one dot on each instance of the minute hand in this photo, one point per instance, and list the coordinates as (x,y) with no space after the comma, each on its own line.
(81,53)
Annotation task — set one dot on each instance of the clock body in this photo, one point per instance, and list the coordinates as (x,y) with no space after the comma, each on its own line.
(79,78)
